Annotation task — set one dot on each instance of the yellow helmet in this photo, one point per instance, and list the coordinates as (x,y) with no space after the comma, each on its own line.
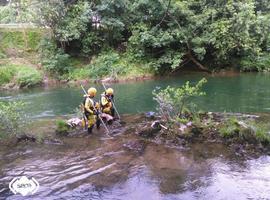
(92,91)
(109,91)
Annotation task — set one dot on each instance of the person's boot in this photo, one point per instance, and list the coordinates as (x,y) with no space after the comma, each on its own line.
(98,124)
(109,122)
(89,130)
(113,113)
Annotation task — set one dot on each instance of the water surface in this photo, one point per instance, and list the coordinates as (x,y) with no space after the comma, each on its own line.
(244,93)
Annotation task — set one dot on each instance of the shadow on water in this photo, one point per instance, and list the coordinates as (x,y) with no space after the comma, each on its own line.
(95,167)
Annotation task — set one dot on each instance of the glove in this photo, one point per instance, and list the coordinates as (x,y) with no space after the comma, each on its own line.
(97,112)
(111,97)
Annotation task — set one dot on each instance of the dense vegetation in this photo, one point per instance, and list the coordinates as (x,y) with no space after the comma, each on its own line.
(184,120)
(116,37)
(12,119)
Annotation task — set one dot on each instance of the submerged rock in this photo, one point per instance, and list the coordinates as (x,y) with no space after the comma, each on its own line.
(136,146)
(26,137)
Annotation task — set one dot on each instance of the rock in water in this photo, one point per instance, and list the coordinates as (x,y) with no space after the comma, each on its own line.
(150,130)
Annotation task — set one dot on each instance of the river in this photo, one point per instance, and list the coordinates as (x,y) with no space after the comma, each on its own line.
(95,167)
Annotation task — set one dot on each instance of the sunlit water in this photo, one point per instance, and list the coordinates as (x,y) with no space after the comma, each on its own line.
(96,167)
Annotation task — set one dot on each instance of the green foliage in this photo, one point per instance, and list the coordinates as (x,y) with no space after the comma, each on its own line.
(19,11)
(12,119)
(54,59)
(172,101)
(107,64)
(62,127)
(28,76)
(110,64)
(75,22)
(21,75)
(12,39)
(261,63)
(230,128)
(79,74)
(262,133)
(6,74)
(19,39)
(166,35)
(248,131)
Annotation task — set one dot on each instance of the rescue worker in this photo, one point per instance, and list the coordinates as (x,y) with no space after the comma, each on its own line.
(106,102)
(91,109)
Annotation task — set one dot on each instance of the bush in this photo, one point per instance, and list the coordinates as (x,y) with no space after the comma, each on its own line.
(79,74)
(262,133)
(28,76)
(12,119)
(6,74)
(62,127)
(107,64)
(230,128)
(23,76)
(261,63)
(173,101)
(54,60)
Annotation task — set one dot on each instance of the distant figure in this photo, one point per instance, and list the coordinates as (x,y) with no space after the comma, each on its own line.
(106,102)
(91,109)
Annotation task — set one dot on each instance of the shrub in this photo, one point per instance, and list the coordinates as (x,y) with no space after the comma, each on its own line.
(54,60)
(79,73)
(262,133)
(62,127)
(24,76)
(28,76)
(261,63)
(230,128)
(12,119)
(173,101)
(107,63)
(6,74)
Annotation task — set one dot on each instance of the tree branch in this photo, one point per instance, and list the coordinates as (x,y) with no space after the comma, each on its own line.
(165,14)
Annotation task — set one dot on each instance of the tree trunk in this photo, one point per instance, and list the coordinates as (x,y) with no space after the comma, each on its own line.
(191,57)
(198,64)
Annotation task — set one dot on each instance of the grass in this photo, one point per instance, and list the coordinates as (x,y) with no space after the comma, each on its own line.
(255,131)
(6,74)
(61,127)
(22,75)
(19,40)
(109,64)
(262,133)
(230,128)
(27,76)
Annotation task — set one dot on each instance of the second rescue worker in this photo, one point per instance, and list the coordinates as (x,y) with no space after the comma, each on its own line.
(106,102)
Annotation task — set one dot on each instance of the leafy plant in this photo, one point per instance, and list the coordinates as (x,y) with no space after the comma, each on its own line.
(12,119)
(28,76)
(6,74)
(62,127)
(54,59)
(172,101)
(230,128)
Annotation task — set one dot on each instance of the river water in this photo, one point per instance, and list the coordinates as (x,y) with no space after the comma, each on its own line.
(236,93)
(96,167)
